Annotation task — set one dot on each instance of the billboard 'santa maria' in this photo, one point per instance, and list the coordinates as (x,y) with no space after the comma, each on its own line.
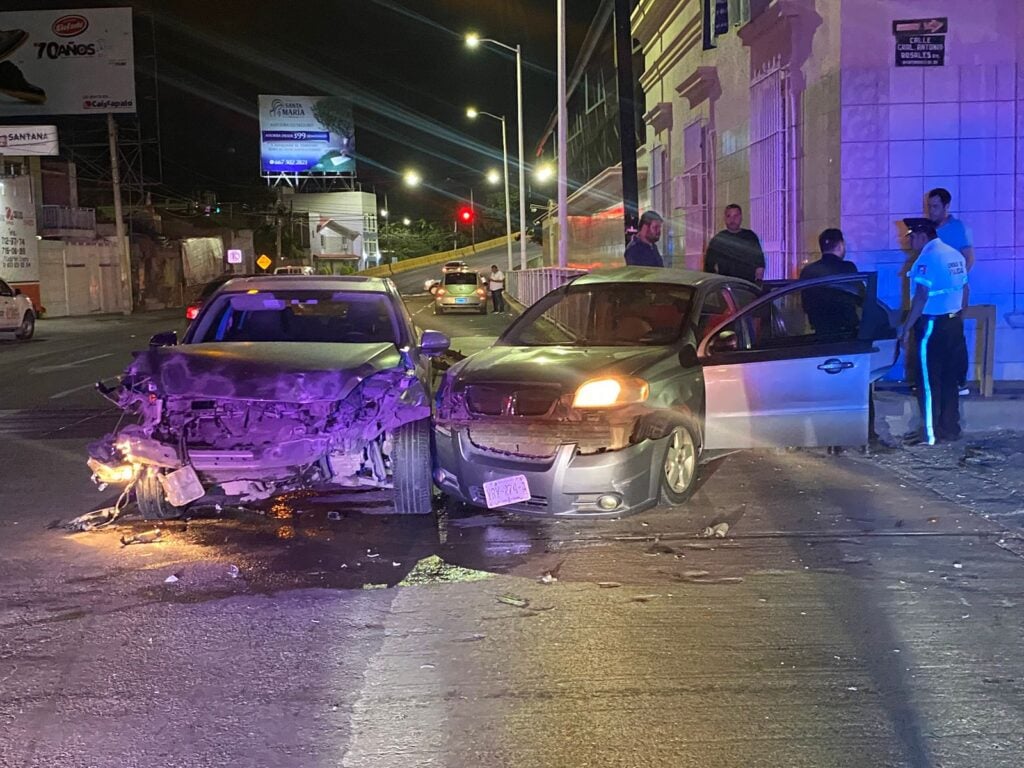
(306,134)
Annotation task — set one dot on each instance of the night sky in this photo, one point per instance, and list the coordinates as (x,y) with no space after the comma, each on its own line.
(402,62)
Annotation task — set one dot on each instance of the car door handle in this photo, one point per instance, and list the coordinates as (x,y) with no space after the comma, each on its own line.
(835,365)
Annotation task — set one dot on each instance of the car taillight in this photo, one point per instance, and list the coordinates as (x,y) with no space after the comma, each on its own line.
(192,312)
(481,292)
(441,291)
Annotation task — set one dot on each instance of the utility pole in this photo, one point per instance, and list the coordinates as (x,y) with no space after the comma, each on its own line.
(124,255)
(472,221)
(563,134)
(627,115)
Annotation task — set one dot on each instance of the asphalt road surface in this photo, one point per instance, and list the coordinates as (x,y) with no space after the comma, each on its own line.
(847,618)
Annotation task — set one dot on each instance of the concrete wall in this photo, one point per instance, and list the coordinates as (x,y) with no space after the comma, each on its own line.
(79,278)
(961,126)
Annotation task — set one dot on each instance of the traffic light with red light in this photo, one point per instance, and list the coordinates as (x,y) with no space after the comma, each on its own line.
(466,215)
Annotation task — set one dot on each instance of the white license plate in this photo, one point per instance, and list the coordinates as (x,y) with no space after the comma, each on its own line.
(508,490)
(461,301)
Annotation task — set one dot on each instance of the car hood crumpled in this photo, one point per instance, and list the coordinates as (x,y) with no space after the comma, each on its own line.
(564,366)
(289,372)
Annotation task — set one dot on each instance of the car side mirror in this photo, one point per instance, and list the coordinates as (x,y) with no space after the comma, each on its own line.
(17,291)
(164,339)
(433,343)
(688,357)
(724,341)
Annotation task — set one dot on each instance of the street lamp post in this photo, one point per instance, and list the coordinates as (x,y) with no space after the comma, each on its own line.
(473,41)
(472,113)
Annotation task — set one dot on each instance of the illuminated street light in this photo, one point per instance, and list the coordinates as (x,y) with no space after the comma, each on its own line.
(473,40)
(412,179)
(493,177)
(473,113)
(383,213)
(544,173)
(406,221)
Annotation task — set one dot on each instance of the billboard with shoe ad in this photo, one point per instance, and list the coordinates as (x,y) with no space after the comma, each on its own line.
(73,62)
(306,135)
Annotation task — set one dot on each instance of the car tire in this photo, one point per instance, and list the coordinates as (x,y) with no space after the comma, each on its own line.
(679,466)
(483,308)
(27,328)
(150,496)
(410,468)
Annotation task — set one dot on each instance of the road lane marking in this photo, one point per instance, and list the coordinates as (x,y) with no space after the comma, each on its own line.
(67,366)
(66,392)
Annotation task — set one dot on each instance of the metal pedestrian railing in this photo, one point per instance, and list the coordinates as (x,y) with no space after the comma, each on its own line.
(528,285)
(59,217)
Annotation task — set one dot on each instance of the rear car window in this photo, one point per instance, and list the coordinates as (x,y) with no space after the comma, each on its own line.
(461,278)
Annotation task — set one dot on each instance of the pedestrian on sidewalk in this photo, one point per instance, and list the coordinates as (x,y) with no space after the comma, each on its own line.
(938,277)
(735,251)
(496,285)
(953,232)
(642,250)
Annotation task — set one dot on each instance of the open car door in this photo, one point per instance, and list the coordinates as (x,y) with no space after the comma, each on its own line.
(794,367)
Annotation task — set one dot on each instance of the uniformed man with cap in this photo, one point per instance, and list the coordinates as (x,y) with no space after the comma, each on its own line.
(937,280)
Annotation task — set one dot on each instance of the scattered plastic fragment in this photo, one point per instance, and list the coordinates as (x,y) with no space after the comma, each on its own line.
(608,584)
(547,578)
(426,666)
(715,531)
(334,515)
(958,564)
(172,579)
(518,602)
(146,537)
(375,586)
(233,571)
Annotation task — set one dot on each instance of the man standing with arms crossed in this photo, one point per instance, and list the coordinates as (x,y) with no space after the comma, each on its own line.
(735,251)
(954,233)
(938,278)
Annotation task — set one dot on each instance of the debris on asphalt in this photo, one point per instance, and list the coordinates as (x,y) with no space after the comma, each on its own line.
(434,570)
(93,520)
(427,666)
(475,638)
(659,549)
(715,531)
(643,598)
(958,564)
(547,578)
(517,602)
(233,571)
(146,537)
(334,515)
(172,579)
(608,584)
(375,586)
(852,559)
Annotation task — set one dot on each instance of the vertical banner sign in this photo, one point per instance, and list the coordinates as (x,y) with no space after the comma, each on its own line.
(19,249)
(76,62)
(721,17)
(920,42)
(306,135)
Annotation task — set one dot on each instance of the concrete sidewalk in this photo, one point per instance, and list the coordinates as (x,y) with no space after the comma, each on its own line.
(897,406)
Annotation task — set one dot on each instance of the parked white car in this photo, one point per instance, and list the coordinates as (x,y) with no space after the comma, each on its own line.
(17,315)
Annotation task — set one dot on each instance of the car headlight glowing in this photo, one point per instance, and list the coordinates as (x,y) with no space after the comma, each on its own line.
(611,391)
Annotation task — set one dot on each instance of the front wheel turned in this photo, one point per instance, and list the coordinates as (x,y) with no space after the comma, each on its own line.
(679,467)
(410,472)
(151,498)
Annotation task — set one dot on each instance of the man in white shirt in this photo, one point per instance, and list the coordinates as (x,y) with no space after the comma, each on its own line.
(496,285)
(938,278)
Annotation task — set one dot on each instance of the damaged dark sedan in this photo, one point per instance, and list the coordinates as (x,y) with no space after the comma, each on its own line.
(606,395)
(280,384)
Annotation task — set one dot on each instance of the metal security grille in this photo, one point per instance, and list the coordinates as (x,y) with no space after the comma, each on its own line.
(693,193)
(770,182)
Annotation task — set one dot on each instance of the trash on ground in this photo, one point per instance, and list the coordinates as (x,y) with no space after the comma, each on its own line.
(518,602)
(643,598)
(375,586)
(233,571)
(958,564)
(334,515)
(172,579)
(427,666)
(146,537)
(718,531)
(475,638)
(852,560)
(92,520)
(547,578)
(608,584)
(434,570)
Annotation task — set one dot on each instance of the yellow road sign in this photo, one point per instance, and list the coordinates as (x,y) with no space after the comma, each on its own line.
(263,262)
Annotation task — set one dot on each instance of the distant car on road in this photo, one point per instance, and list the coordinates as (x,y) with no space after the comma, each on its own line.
(280,384)
(293,270)
(454,266)
(17,315)
(192,310)
(605,396)
(460,291)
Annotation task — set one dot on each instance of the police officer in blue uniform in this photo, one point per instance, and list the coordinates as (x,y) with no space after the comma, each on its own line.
(938,278)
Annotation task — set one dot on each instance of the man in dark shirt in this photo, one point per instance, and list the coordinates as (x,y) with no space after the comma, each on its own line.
(831,311)
(642,250)
(735,251)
